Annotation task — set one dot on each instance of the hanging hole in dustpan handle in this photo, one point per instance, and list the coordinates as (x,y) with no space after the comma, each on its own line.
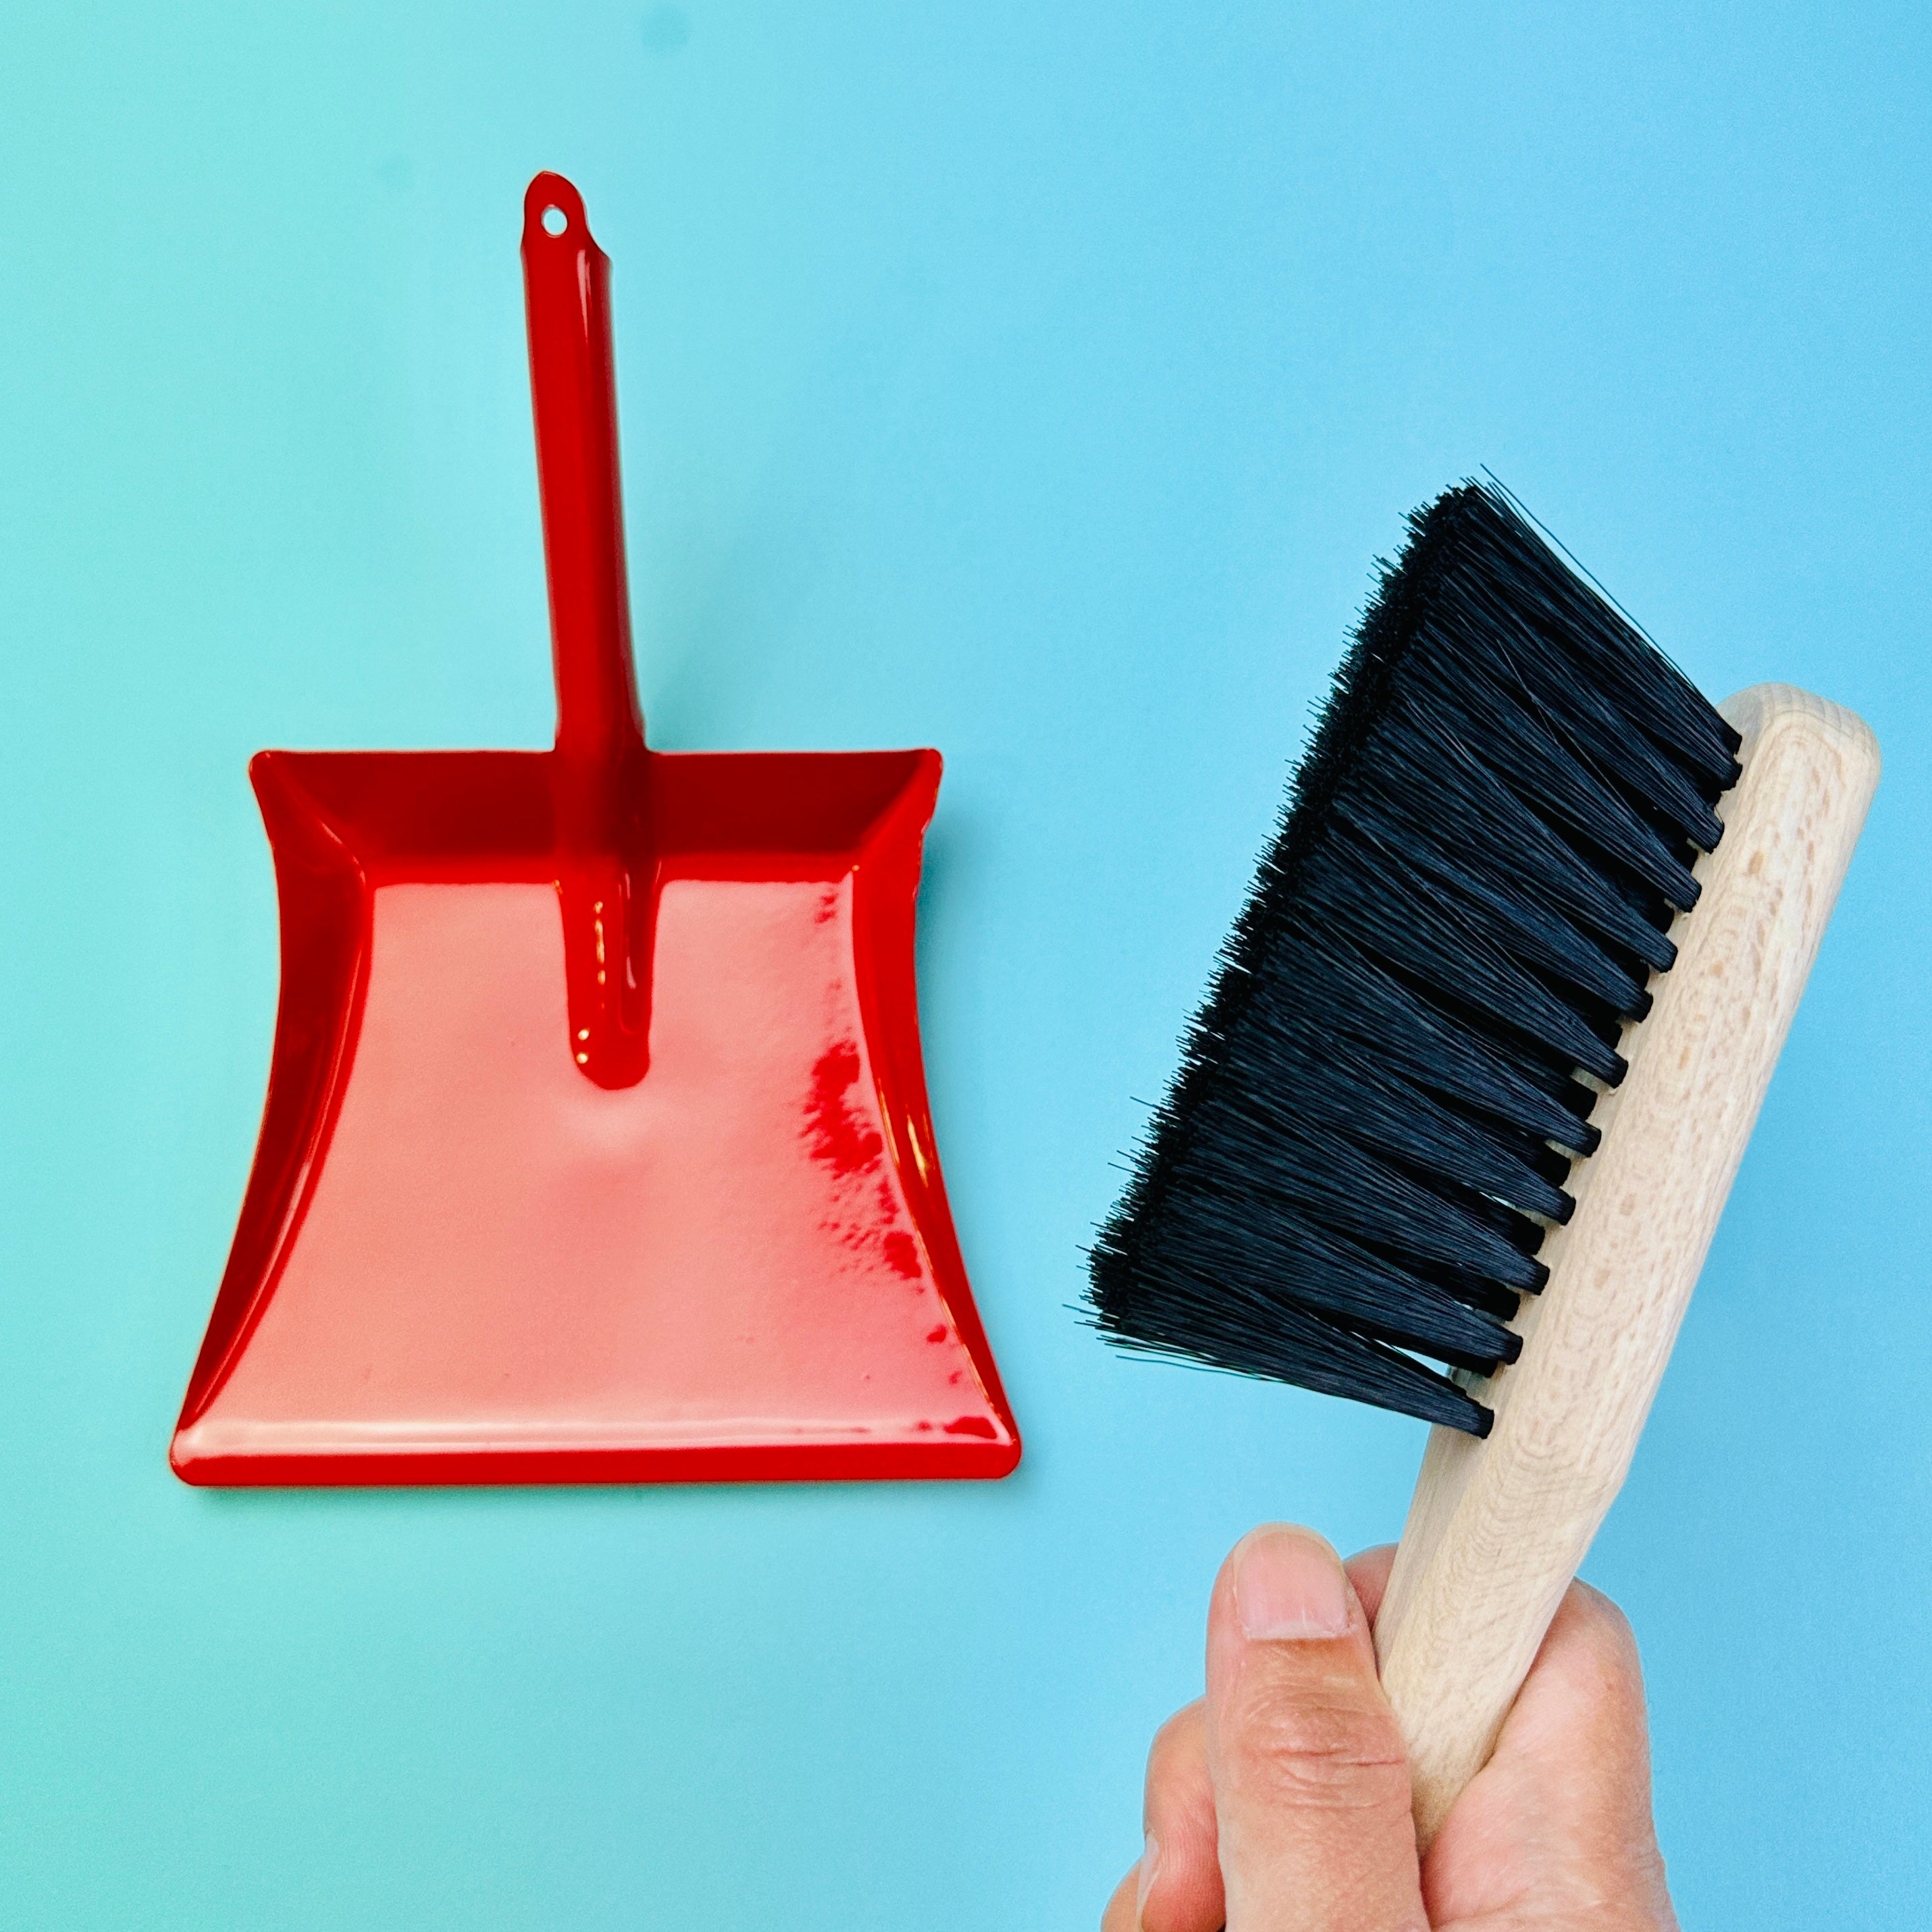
(566,287)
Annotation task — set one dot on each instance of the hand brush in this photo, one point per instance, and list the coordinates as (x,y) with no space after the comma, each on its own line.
(1478,1065)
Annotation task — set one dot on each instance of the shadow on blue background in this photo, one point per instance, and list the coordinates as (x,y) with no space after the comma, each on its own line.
(1036,383)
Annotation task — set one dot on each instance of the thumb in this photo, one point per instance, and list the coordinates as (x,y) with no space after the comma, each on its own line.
(1311,1782)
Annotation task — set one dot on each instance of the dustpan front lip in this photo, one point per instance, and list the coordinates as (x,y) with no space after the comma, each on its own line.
(950,1461)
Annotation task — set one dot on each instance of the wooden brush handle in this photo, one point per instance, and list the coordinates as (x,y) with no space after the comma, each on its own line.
(1498,1528)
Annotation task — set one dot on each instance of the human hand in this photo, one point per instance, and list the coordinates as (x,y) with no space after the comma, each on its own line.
(1280,1802)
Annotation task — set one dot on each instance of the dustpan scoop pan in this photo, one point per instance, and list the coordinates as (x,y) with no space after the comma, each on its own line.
(596,1146)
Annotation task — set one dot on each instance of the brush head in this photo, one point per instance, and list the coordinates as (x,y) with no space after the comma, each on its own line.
(1481,854)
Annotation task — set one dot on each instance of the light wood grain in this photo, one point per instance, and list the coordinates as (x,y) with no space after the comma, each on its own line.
(1498,1528)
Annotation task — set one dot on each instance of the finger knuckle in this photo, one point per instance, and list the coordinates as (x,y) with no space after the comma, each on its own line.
(1606,1635)
(1174,1743)
(1338,1753)
(1606,1619)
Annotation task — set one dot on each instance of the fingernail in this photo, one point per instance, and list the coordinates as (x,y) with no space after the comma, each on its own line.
(1150,1864)
(1290,1585)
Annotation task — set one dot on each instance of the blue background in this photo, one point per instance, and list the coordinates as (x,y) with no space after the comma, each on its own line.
(1037,381)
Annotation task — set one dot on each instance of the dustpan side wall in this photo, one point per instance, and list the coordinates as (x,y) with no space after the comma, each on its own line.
(323,903)
(887,882)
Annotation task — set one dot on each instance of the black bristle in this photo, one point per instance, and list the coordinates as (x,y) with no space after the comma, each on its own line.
(1492,826)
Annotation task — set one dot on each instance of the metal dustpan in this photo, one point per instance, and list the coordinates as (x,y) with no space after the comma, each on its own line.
(596,1146)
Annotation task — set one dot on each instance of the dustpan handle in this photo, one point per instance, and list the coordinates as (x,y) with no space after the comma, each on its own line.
(566,289)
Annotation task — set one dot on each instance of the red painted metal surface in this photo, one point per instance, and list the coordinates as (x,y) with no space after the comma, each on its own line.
(596,1146)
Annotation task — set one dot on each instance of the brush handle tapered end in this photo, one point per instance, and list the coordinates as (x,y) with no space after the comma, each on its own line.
(1497,1527)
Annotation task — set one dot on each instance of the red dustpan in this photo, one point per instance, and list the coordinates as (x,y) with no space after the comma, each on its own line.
(596,1146)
